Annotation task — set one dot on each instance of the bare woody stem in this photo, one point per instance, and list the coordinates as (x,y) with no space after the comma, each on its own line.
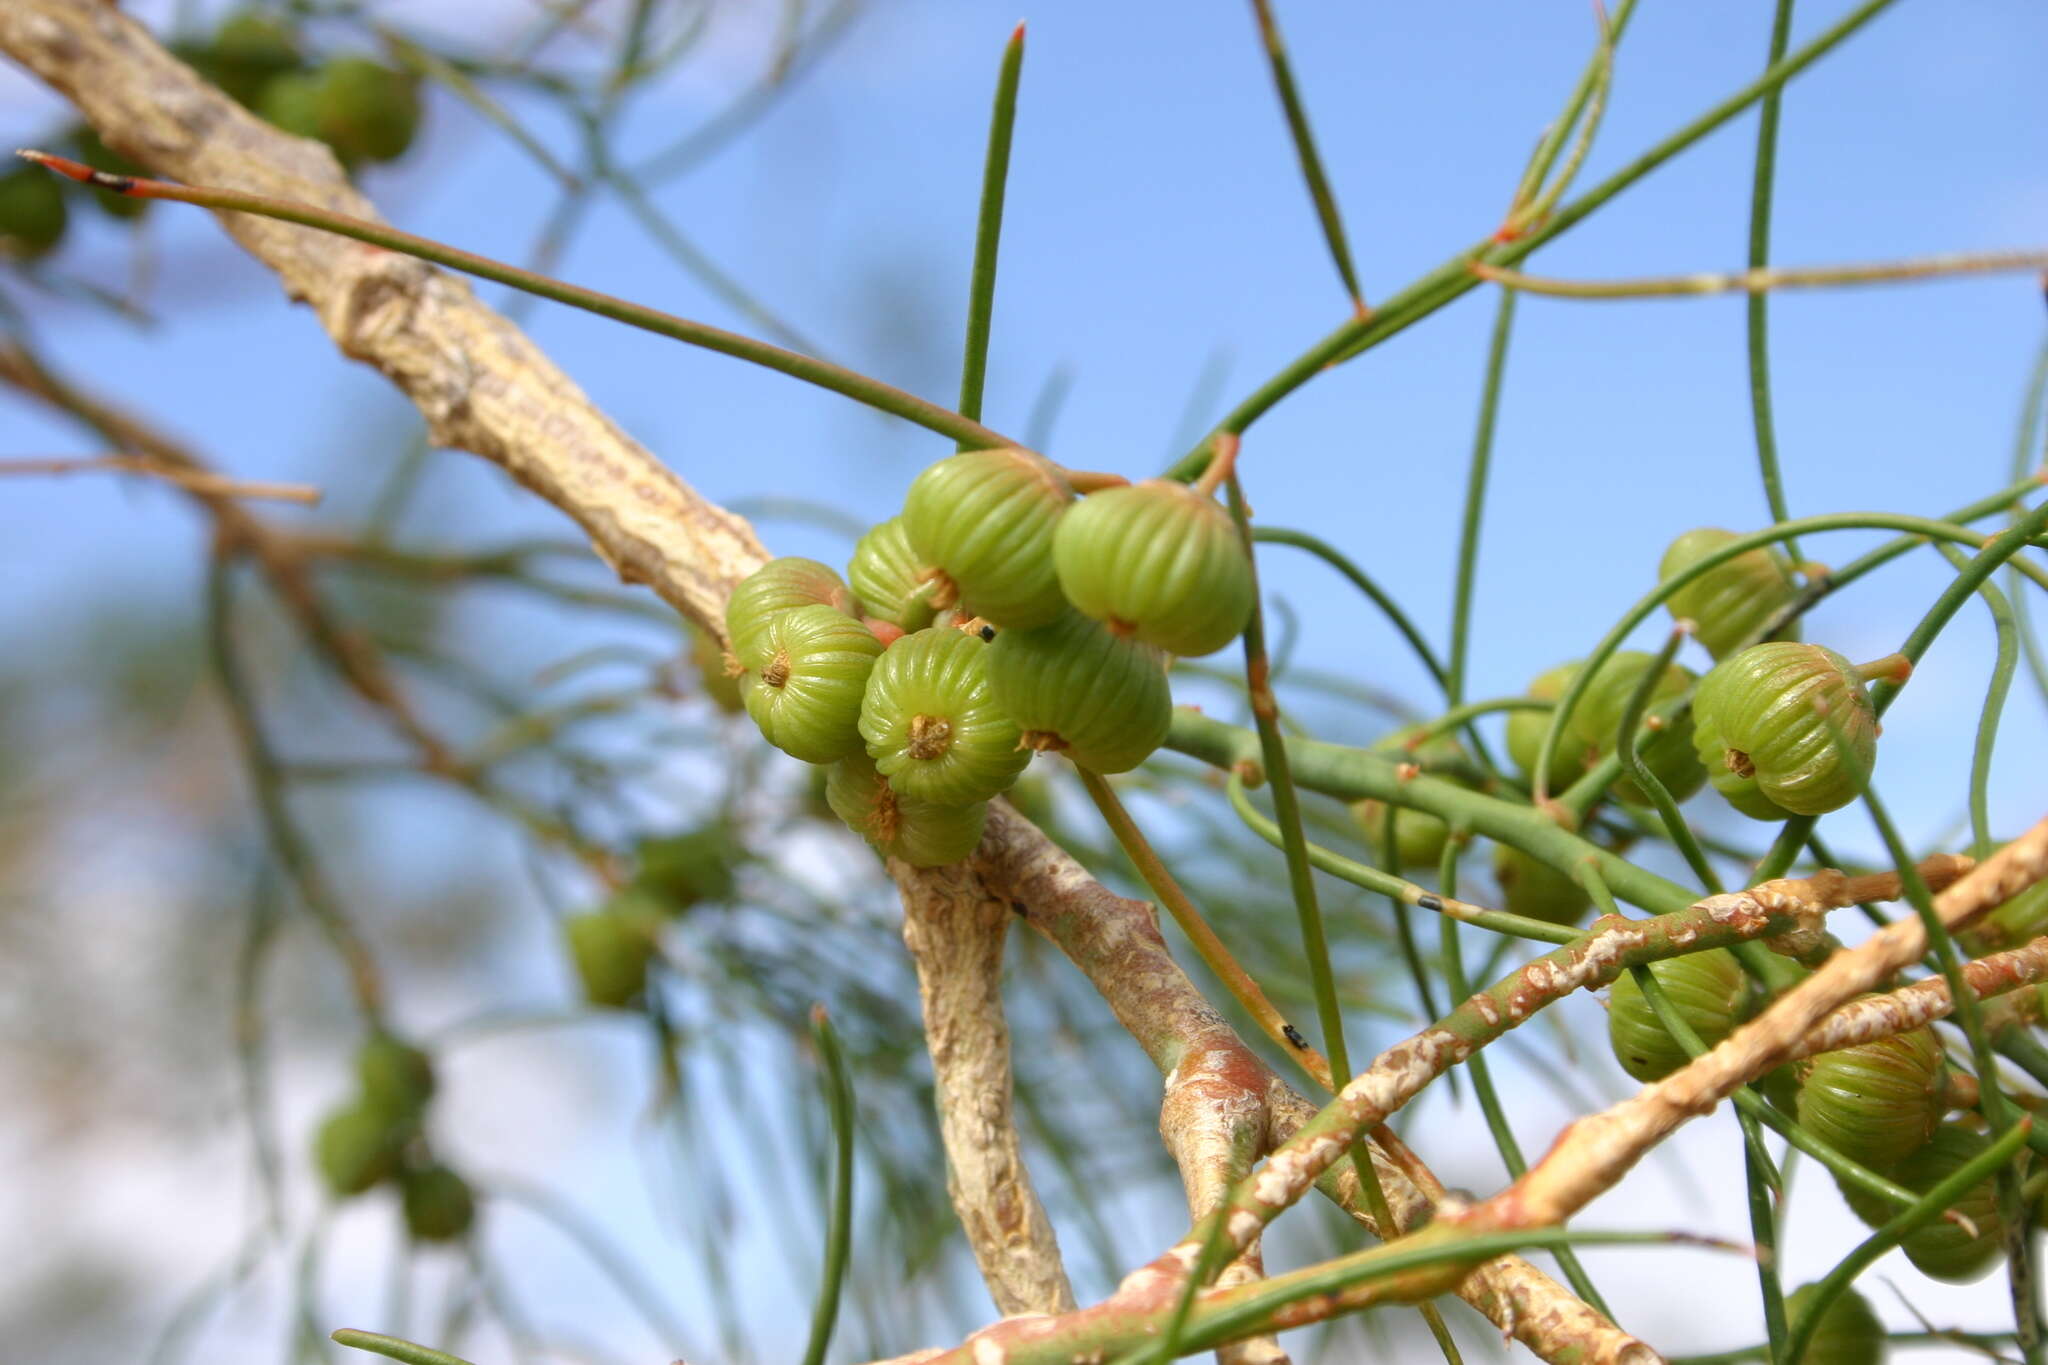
(192,480)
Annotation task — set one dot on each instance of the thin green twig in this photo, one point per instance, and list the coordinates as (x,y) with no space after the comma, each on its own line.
(988,231)
(1304,139)
(839,1103)
(1758,321)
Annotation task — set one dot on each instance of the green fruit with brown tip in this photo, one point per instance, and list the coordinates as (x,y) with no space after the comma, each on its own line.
(356,1147)
(1536,889)
(806,674)
(1527,728)
(96,154)
(1708,990)
(612,948)
(1072,687)
(249,50)
(1666,748)
(1876,1102)
(1785,729)
(368,112)
(921,833)
(781,585)
(32,213)
(1848,1332)
(1159,561)
(1730,602)
(1418,838)
(439,1205)
(396,1078)
(932,724)
(1941,1248)
(890,580)
(984,519)
(679,870)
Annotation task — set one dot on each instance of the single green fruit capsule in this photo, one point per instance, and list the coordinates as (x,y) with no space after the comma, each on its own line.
(1526,730)
(611,948)
(892,583)
(679,870)
(396,1078)
(356,1147)
(291,102)
(249,50)
(439,1206)
(921,833)
(984,520)
(1875,1102)
(1943,1249)
(1100,699)
(806,675)
(1418,838)
(1160,561)
(1707,989)
(32,213)
(781,585)
(98,155)
(722,687)
(1785,729)
(1848,1333)
(1731,601)
(1666,750)
(932,724)
(2020,920)
(1536,889)
(368,112)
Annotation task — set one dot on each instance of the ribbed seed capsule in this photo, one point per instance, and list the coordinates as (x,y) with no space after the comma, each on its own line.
(931,721)
(1073,687)
(1707,989)
(1667,750)
(921,833)
(1875,1102)
(804,680)
(368,112)
(778,586)
(1526,730)
(1848,1333)
(892,583)
(1418,838)
(984,519)
(356,1147)
(1536,889)
(1159,561)
(679,870)
(611,948)
(439,1206)
(1785,729)
(396,1078)
(1729,602)
(1943,1249)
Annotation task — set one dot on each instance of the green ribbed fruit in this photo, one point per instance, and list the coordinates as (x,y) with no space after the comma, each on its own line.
(932,724)
(291,102)
(805,677)
(1159,561)
(32,213)
(1667,751)
(984,519)
(93,152)
(1536,889)
(721,687)
(396,1078)
(891,581)
(679,870)
(1848,1333)
(1875,1102)
(776,587)
(1707,989)
(368,112)
(921,833)
(612,948)
(1729,602)
(1942,1249)
(1526,730)
(439,1205)
(1785,729)
(1418,838)
(2020,920)
(249,50)
(1072,686)
(356,1147)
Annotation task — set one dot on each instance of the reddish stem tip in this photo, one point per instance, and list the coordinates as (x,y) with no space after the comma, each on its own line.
(1017,34)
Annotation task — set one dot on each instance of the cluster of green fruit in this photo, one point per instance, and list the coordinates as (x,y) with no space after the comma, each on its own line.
(613,946)
(998,616)
(1778,728)
(376,1138)
(362,109)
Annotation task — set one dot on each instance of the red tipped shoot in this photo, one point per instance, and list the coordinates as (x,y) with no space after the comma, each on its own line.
(86,175)
(1017,34)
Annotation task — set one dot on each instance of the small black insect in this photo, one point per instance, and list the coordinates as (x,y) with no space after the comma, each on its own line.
(1429,902)
(1294,1035)
(988,632)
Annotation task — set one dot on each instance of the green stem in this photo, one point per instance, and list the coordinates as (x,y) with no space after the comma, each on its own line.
(1475,501)
(394,1348)
(988,232)
(1305,151)
(1758,319)
(839,1104)
(1358,578)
